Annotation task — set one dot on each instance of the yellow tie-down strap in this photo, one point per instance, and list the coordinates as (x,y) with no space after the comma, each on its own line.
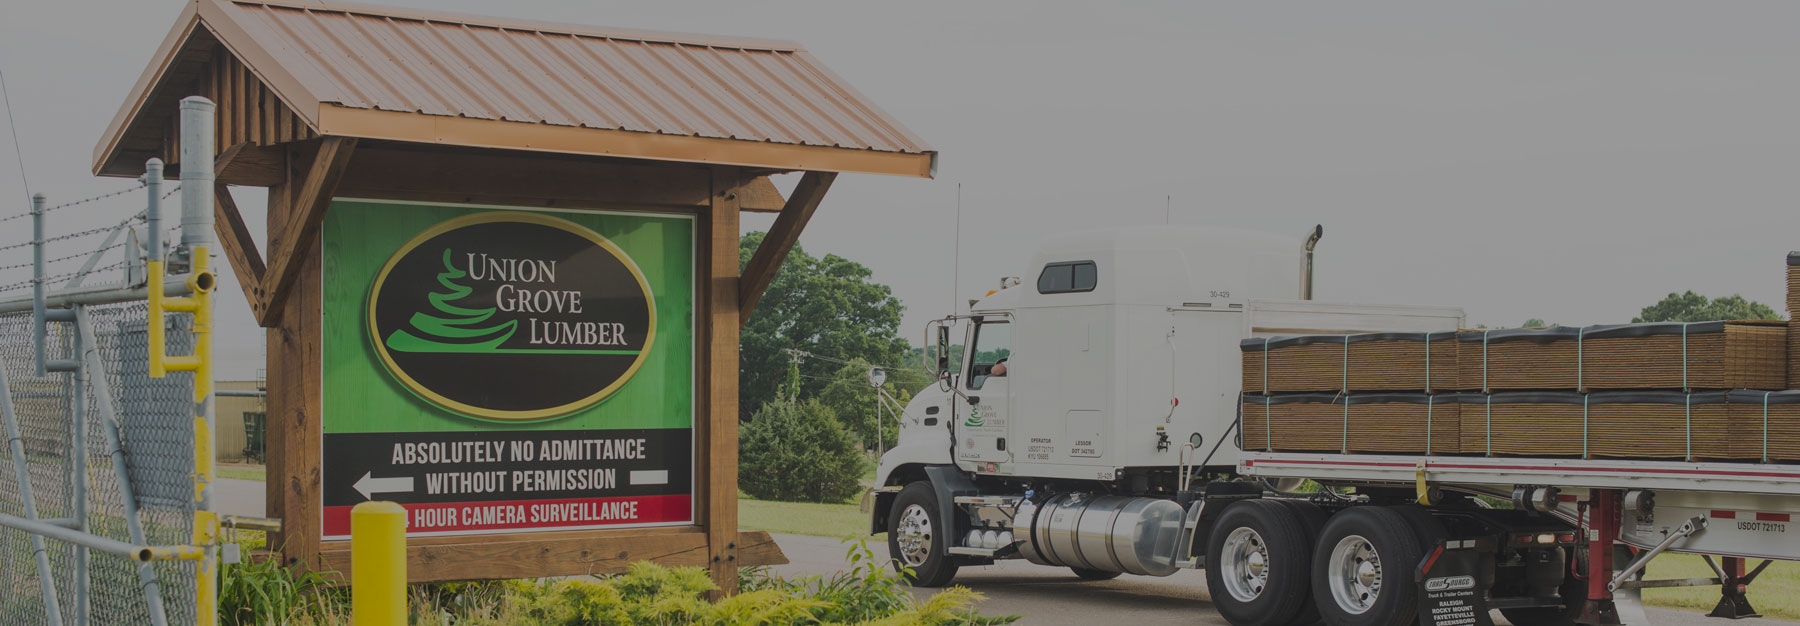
(1423,489)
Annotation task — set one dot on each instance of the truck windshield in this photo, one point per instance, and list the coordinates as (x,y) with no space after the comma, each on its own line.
(993,344)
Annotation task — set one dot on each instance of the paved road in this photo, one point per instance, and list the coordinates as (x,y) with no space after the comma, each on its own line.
(1044,595)
(1052,596)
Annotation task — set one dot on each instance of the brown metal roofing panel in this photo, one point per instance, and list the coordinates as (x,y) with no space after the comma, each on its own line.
(369,58)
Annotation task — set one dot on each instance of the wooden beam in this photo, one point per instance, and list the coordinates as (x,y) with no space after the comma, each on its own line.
(759,195)
(247,165)
(761,269)
(300,226)
(565,553)
(719,437)
(240,248)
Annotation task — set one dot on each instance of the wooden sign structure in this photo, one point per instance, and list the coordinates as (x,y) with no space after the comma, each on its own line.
(402,146)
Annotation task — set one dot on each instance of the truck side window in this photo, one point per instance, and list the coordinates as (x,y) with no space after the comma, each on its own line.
(1068,277)
(993,343)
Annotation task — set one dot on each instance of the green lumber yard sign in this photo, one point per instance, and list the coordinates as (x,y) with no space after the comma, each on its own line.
(503,370)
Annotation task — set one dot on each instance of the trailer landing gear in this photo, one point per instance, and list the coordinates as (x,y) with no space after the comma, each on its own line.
(1602,532)
(1733,604)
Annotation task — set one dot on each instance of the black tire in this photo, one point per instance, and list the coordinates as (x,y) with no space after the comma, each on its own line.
(1395,546)
(1093,574)
(934,569)
(1425,526)
(1312,519)
(1285,552)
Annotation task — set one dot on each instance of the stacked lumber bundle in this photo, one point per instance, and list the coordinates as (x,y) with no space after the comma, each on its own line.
(1793,307)
(1363,362)
(1700,355)
(1768,423)
(1618,424)
(1518,358)
(1687,391)
(1390,423)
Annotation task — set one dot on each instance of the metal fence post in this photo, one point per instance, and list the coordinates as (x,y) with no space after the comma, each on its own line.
(78,469)
(153,180)
(37,280)
(197,152)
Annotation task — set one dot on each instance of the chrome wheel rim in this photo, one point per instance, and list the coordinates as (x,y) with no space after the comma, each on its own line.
(1244,564)
(1354,574)
(914,535)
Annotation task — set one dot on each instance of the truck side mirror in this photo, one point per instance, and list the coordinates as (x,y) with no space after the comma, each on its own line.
(943,350)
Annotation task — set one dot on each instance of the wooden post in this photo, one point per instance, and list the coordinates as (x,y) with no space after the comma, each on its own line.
(718,509)
(294,406)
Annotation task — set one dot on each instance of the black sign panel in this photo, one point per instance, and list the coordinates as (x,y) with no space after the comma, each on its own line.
(511,316)
(503,480)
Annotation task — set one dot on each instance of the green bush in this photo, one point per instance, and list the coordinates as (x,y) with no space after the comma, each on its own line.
(263,592)
(868,594)
(796,451)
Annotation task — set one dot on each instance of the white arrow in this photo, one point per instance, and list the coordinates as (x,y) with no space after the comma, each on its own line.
(369,485)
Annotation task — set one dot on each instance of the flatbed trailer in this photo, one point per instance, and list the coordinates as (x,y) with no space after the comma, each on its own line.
(1732,511)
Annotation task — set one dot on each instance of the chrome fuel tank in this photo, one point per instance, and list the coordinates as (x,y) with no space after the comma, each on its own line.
(1111,533)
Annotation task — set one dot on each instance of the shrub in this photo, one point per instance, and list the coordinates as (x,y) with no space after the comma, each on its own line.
(796,451)
(257,592)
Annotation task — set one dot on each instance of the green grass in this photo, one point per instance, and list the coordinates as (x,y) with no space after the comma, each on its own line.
(803,518)
(1775,593)
(257,473)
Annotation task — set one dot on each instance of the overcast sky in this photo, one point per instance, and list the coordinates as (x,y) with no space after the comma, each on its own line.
(1569,161)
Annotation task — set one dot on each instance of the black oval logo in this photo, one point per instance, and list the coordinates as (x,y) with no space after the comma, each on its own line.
(511,316)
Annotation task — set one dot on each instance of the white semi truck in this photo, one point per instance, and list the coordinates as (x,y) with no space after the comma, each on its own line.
(1092,425)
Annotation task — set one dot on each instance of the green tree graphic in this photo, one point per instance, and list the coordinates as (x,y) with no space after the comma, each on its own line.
(457,331)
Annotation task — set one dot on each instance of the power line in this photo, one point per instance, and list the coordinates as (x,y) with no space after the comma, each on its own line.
(17,152)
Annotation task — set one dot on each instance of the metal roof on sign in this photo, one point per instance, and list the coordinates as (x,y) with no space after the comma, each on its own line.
(442,78)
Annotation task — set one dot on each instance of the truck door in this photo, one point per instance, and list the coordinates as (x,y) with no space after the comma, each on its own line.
(981,435)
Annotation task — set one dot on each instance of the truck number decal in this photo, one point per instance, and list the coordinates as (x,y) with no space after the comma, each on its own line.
(1767,527)
(1220,294)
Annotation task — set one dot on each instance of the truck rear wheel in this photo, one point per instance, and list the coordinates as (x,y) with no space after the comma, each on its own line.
(919,539)
(1362,569)
(1257,560)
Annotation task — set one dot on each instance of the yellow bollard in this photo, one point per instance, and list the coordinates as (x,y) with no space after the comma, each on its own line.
(378,564)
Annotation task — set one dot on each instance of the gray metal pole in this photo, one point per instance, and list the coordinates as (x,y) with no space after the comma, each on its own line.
(46,579)
(109,415)
(78,470)
(196,171)
(153,180)
(37,282)
(197,217)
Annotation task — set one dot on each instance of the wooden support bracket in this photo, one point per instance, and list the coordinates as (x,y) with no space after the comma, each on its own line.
(300,225)
(781,238)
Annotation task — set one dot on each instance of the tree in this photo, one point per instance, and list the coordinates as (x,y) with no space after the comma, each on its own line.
(849,395)
(823,306)
(797,451)
(1693,307)
(1536,322)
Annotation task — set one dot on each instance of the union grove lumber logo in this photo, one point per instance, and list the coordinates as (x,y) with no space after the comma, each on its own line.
(511,316)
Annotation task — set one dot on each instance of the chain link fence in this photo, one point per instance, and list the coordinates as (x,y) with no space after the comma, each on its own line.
(154,424)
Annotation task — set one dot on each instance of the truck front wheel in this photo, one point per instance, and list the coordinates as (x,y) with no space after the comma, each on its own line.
(918,540)
(1362,569)
(1256,564)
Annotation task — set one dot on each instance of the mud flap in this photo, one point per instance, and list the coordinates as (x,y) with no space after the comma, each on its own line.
(1453,581)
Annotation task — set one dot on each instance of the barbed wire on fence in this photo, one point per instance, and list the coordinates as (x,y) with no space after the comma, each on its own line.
(83,201)
(64,258)
(27,283)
